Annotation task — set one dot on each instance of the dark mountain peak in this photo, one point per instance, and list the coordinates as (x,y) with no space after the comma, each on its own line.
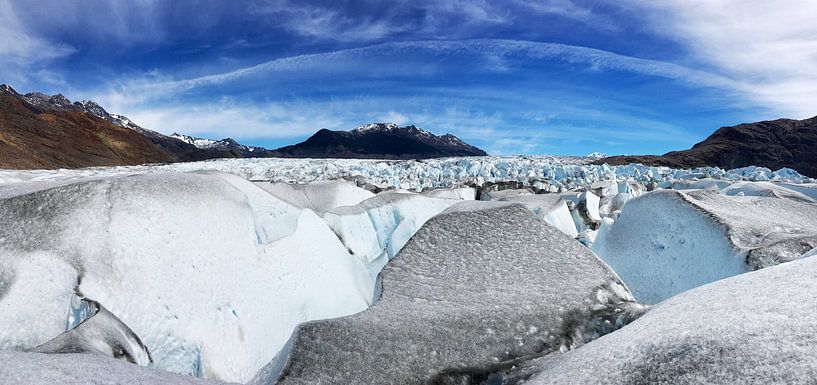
(772,143)
(5,88)
(60,100)
(452,139)
(380,141)
(45,102)
(93,108)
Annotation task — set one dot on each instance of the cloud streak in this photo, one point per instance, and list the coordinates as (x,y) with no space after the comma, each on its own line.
(491,48)
(768,47)
(23,54)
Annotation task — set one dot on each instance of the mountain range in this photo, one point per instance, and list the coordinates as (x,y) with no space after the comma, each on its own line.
(50,131)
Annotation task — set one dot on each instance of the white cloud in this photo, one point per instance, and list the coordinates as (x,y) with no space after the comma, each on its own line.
(439,13)
(492,49)
(220,119)
(768,47)
(394,117)
(22,54)
(570,10)
(324,23)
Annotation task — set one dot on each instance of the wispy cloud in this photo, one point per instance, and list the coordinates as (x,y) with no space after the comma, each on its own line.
(323,22)
(769,48)
(570,10)
(22,54)
(370,22)
(367,22)
(489,48)
(225,118)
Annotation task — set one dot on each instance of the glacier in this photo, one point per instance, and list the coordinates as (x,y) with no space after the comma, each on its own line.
(208,268)
(560,173)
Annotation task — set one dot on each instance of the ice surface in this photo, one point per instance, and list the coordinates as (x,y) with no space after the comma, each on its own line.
(213,272)
(461,193)
(809,189)
(548,207)
(479,284)
(611,206)
(756,328)
(765,189)
(374,230)
(320,196)
(209,271)
(82,369)
(604,188)
(700,184)
(669,241)
(584,209)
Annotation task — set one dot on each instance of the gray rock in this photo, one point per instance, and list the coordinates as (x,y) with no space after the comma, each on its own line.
(501,194)
(477,287)
(489,187)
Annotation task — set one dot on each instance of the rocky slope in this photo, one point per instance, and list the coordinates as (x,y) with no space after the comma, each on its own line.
(774,144)
(54,133)
(50,131)
(380,141)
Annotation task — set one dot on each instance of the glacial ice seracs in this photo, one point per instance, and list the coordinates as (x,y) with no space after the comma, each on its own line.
(211,272)
(668,241)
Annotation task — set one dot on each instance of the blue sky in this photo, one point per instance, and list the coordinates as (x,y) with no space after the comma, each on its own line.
(532,77)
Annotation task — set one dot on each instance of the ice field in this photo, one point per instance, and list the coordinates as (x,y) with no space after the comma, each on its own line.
(457,270)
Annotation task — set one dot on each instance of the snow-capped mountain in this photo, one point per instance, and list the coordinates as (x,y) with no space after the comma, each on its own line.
(226,144)
(380,141)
